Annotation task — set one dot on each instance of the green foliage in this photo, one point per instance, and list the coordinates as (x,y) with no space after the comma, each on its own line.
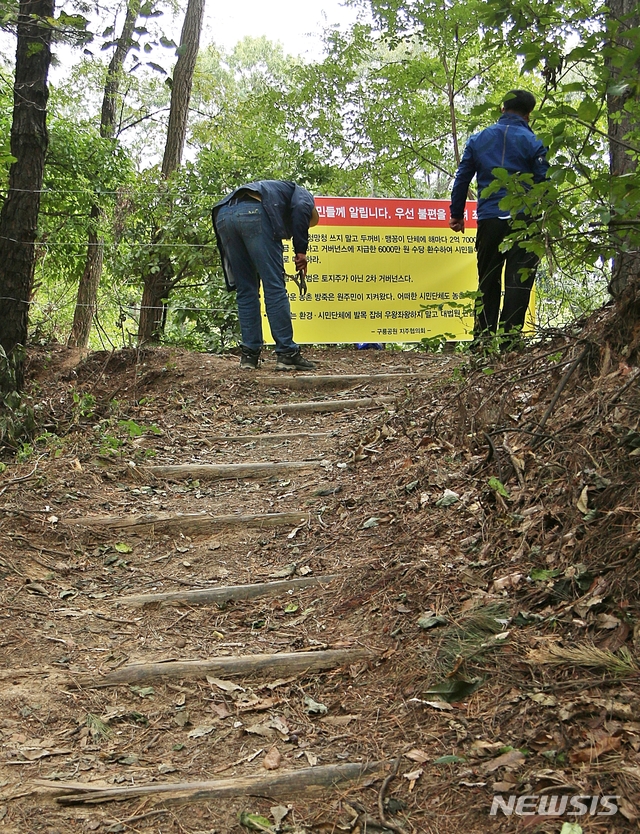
(588,58)
(83,406)
(391,105)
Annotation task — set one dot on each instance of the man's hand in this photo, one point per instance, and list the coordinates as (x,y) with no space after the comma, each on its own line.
(300,261)
(457,224)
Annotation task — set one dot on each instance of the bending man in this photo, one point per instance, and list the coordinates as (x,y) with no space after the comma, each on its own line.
(250,224)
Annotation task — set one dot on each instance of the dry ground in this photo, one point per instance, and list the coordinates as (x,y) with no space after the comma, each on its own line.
(474,530)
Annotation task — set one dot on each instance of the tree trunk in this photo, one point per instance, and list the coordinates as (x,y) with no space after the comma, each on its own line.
(622,104)
(181,87)
(153,309)
(87,300)
(19,215)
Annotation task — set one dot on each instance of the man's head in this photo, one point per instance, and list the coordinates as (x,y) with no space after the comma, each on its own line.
(519,101)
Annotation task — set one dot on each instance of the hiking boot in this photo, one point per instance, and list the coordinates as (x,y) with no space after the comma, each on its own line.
(249,359)
(294,362)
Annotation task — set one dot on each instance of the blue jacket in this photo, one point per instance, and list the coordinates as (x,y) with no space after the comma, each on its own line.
(510,144)
(288,206)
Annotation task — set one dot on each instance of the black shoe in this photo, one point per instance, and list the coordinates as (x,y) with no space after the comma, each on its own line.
(294,362)
(249,359)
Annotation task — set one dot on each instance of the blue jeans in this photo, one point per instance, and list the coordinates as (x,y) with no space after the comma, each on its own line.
(254,256)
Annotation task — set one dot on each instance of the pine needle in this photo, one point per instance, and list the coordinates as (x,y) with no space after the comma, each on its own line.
(622,664)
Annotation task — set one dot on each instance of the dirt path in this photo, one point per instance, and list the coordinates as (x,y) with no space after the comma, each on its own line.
(229,594)
(209,479)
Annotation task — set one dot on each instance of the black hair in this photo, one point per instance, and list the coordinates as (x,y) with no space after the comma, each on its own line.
(520,101)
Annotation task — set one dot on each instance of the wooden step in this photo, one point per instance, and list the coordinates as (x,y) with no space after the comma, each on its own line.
(320,406)
(230,471)
(268,438)
(285,784)
(222,595)
(336,380)
(284,663)
(187,523)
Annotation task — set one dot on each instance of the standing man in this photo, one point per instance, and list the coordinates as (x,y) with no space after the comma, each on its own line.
(250,224)
(510,144)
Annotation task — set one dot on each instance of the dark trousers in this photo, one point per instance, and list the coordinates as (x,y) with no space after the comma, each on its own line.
(517,285)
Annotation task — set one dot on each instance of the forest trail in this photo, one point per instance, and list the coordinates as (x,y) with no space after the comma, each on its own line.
(236,601)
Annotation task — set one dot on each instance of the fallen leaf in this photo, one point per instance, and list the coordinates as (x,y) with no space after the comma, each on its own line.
(339,720)
(582,504)
(220,710)
(453,691)
(507,582)
(272,760)
(512,759)
(413,777)
(279,812)
(259,730)
(435,704)
(225,686)
(607,744)
(431,621)
(542,699)
(314,706)
(448,498)
(416,755)
(199,732)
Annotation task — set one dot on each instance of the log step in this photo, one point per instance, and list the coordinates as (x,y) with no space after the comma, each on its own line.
(268,438)
(242,665)
(230,471)
(222,595)
(285,784)
(322,405)
(186,523)
(307,381)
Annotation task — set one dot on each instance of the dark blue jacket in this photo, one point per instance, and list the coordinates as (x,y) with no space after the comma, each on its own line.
(510,144)
(288,206)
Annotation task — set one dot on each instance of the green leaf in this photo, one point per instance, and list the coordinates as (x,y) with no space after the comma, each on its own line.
(497,486)
(449,760)
(122,547)
(543,575)
(254,822)
(571,828)
(142,691)
(453,691)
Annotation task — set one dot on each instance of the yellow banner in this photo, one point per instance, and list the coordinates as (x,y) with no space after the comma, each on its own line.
(384,270)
